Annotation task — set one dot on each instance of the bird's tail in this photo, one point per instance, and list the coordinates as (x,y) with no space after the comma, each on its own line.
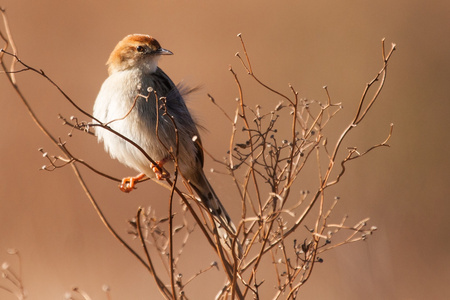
(225,226)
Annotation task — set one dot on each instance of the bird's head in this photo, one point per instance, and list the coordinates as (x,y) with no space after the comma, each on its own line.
(136,51)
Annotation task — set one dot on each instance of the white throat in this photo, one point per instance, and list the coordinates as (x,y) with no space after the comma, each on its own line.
(150,64)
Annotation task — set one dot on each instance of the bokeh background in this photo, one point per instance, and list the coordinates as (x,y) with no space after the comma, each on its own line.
(403,189)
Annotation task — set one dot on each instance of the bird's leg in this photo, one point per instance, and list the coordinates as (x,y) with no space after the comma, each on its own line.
(160,175)
(128,183)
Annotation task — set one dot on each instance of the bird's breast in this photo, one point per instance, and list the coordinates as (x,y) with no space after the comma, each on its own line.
(123,104)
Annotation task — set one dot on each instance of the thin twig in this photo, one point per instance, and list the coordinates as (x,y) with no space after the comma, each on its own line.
(162,288)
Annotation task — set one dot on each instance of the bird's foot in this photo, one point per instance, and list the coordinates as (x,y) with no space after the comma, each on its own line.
(128,183)
(160,172)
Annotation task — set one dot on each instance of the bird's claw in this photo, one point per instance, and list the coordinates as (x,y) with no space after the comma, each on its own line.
(128,183)
(157,170)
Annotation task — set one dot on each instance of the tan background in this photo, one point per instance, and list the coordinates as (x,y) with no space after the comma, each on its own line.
(404,189)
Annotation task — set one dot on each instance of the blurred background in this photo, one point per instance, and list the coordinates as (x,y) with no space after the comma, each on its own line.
(404,189)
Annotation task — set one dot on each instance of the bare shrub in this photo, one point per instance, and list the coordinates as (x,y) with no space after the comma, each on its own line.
(265,160)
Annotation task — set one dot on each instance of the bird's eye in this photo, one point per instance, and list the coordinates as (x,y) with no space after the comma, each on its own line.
(140,49)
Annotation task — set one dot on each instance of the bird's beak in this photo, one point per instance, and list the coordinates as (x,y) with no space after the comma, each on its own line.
(162,51)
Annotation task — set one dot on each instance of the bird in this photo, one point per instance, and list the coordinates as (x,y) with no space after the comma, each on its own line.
(141,103)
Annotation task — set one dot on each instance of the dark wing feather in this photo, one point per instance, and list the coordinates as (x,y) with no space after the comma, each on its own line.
(176,107)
